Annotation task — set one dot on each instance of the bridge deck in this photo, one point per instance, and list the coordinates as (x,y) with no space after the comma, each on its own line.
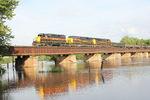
(33,50)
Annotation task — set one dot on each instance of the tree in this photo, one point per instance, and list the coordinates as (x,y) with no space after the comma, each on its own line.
(136,41)
(6,13)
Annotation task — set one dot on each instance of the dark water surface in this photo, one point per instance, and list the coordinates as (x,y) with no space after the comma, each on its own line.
(121,79)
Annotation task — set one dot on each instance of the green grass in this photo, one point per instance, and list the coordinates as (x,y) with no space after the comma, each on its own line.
(79,56)
(44,58)
(5,60)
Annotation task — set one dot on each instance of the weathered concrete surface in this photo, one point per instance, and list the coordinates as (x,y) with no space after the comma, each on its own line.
(92,58)
(145,54)
(31,61)
(26,61)
(125,55)
(113,56)
(66,59)
(149,54)
(136,54)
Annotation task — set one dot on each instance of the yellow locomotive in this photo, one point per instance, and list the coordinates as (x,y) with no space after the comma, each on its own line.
(44,39)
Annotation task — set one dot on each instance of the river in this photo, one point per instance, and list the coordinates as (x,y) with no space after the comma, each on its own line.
(120,79)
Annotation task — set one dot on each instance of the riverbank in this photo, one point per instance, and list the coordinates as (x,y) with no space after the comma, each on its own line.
(6,60)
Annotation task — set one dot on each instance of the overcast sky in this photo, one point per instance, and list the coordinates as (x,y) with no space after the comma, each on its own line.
(110,19)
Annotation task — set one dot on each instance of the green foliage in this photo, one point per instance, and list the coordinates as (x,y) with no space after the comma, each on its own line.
(45,58)
(136,41)
(6,13)
(5,60)
(79,56)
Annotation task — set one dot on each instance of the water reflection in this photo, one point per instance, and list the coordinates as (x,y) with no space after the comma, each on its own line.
(74,78)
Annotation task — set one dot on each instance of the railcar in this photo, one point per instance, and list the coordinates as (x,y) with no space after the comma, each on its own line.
(88,41)
(118,45)
(129,46)
(47,39)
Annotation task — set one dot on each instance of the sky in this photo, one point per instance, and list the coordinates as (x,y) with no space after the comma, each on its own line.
(110,19)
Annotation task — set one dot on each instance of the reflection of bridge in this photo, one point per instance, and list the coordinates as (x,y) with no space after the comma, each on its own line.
(51,85)
(66,54)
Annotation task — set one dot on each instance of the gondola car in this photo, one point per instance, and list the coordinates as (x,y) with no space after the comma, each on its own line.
(47,39)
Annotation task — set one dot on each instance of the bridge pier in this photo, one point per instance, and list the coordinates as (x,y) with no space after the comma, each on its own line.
(125,55)
(148,54)
(145,54)
(26,61)
(92,57)
(65,59)
(112,56)
(136,54)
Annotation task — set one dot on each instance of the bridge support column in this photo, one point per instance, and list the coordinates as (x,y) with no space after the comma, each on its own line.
(137,54)
(148,54)
(26,61)
(32,61)
(113,56)
(125,55)
(92,57)
(145,54)
(66,59)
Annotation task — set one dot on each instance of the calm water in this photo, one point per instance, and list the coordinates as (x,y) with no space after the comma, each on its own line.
(125,79)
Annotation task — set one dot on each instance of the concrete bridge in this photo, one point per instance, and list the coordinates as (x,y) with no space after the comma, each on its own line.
(27,54)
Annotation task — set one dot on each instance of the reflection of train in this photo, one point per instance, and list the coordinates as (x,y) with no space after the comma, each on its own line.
(44,39)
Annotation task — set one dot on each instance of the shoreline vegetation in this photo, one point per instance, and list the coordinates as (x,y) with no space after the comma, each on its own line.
(4,60)
(135,41)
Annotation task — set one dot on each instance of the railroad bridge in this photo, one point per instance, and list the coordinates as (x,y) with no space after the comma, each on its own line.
(27,54)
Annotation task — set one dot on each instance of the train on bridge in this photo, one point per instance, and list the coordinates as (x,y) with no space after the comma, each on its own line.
(48,39)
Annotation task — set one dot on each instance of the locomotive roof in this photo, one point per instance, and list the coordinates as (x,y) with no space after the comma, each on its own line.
(88,38)
(50,34)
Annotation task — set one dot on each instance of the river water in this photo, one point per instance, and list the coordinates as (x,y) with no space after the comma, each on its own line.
(120,79)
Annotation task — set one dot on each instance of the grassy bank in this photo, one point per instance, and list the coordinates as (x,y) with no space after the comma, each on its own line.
(5,60)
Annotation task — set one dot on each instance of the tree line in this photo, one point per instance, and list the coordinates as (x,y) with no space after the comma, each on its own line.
(6,13)
(136,41)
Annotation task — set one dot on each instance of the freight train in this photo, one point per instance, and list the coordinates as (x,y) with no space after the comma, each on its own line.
(48,39)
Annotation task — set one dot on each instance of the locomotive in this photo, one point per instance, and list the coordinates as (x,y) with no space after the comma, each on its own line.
(48,39)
